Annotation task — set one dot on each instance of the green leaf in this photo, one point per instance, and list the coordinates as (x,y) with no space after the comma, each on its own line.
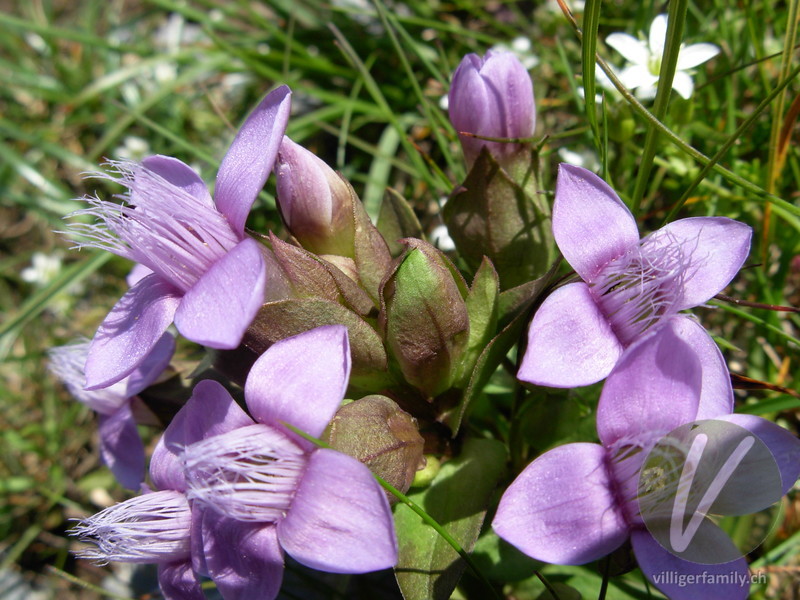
(397,220)
(482,302)
(514,305)
(501,561)
(428,567)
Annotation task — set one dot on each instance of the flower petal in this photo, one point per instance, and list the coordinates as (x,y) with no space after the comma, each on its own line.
(561,509)
(716,392)
(137,273)
(210,411)
(121,447)
(250,159)
(696,54)
(152,366)
(179,174)
(670,574)
(130,331)
(340,520)
(654,388)
(590,223)
(629,47)
(713,249)
(219,308)
(683,84)
(179,582)
(784,446)
(570,342)
(301,380)
(639,77)
(244,559)
(658,36)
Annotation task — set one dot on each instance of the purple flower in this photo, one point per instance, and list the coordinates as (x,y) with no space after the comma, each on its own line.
(493,97)
(155,527)
(207,276)
(258,489)
(579,502)
(629,285)
(120,445)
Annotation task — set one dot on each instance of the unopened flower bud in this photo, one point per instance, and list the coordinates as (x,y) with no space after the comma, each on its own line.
(315,202)
(425,317)
(493,97)
(382,436)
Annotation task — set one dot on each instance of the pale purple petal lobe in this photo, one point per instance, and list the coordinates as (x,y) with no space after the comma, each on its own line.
(340,520)
(670,573)
(713,248)
(250,159)
(179,174)
(210,411)
(716,392)
(244,559)
(130,331)
(151,367)
(561,508)
(121,447)
(301,380)
(218,309)
(591,225)
(783,445)
(137,273)
(654,388)
(178,582)
(570,342)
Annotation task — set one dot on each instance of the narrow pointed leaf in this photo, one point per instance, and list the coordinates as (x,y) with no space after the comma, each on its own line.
(429,568)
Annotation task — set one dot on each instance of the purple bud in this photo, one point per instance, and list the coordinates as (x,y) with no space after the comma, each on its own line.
(315,202)
(492,96)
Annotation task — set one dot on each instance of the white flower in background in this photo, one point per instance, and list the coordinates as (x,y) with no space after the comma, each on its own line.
(583,158)
(440,238)
(521,46)
(133,148)
(43,269)
(645,59)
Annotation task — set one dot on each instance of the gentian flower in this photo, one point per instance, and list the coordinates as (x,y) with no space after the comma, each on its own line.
(155,527)
(629,285)
(493,97)
(258,489)
(642,75)
(120,445)
(208,276)
(580,501)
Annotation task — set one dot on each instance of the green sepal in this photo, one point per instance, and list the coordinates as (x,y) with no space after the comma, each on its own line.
(503,216)
(278,320)
(397,221)
(482,306)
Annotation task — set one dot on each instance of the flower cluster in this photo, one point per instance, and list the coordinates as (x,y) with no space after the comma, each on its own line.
(267,458)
